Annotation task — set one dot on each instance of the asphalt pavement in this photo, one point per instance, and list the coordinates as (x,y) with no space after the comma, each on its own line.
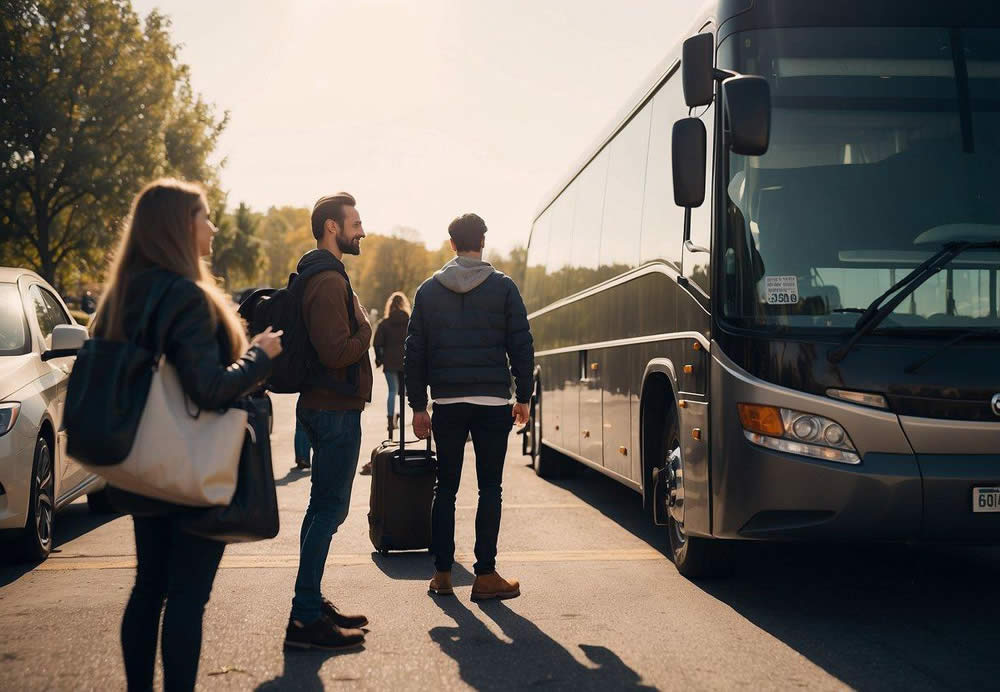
(602,605)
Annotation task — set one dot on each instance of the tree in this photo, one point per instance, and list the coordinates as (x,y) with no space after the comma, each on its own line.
(285,235)
(236,249)
(95,105)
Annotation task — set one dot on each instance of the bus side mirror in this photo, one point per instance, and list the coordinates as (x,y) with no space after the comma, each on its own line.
(748,114)
(687,157)
(697,59)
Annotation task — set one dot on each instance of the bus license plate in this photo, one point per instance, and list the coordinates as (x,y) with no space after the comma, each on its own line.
(986,499)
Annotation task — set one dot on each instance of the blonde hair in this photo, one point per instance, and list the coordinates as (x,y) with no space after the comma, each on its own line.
(158,233)
(397,301)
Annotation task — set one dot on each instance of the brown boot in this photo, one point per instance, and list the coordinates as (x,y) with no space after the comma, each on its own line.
(441,584)
(493,585)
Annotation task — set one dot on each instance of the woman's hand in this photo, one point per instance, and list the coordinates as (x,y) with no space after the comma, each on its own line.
(269,341)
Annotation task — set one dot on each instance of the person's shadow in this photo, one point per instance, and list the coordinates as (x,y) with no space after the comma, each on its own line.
(301,670)
(417,566)
(531,658)
(293,474)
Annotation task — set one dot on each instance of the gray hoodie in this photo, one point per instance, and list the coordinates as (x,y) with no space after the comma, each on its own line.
(462,274)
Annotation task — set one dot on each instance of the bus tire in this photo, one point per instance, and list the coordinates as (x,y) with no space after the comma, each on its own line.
(693,556)
(545,461)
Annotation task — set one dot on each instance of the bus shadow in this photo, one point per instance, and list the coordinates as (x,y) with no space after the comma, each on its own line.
(885,616)
(873,616)
(618,503)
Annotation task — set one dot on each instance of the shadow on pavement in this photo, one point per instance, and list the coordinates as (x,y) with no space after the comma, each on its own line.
(874,616)
(301,671)
(888,617)
(618,503)
(418,566)
(293,474)
(532,658)
(71,523)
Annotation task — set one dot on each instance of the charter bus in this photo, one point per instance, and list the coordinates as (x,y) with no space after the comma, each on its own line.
(767,298)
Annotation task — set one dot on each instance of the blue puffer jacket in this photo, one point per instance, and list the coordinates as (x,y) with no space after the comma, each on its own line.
(468,334)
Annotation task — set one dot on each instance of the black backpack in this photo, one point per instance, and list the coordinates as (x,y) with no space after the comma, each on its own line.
(298,368)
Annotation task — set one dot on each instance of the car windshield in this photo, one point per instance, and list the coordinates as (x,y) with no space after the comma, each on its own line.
(885,145)
(13,331)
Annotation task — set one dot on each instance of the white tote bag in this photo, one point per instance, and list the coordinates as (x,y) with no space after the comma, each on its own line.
(180,455)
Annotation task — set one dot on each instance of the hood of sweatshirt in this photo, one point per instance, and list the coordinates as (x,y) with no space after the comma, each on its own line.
(319,256)
(462,274)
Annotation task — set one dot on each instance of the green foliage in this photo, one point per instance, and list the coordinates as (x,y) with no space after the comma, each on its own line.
(236,250)
(95,105)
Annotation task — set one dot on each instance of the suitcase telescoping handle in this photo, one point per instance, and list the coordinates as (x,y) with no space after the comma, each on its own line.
(402,420)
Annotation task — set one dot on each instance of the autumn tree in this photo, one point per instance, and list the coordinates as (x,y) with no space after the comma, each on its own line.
(94,105)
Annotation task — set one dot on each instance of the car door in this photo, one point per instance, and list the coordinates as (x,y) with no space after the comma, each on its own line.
(47,311)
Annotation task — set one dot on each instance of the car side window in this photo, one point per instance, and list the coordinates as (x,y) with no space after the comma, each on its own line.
(48,312)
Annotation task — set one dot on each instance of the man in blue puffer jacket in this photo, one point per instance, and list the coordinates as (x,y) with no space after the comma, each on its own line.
(468,334)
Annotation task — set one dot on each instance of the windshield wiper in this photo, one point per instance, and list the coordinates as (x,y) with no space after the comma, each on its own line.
(917,364)
(877,312)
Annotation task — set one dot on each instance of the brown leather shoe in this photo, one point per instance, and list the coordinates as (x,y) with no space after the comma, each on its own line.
(493,585)
(441,584)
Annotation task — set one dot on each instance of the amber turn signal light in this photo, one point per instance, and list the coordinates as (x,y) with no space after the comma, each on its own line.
(765,420)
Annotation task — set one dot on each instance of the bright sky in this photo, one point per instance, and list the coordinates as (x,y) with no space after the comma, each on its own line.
(422,110)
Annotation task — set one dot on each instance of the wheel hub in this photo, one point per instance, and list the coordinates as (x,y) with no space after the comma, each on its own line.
(675,485)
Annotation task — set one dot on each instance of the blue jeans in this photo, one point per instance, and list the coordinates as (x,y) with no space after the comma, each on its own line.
(336,441)
(392,379)
(301,442)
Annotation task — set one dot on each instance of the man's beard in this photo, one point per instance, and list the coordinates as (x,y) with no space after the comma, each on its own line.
(347,246)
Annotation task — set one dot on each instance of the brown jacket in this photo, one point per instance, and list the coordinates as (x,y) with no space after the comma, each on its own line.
(324,310)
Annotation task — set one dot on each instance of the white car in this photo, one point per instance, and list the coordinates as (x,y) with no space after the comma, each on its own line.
(38,342)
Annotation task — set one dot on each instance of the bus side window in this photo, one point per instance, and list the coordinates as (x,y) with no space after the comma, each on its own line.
(662,220)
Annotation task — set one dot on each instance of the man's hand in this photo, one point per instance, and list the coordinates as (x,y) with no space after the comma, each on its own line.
(520,414)
(421,424)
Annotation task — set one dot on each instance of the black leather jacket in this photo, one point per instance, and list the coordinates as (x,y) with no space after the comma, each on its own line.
(181,328)
(181,325)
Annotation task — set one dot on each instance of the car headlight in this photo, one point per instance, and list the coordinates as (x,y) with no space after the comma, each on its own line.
(796,432)
(8,415)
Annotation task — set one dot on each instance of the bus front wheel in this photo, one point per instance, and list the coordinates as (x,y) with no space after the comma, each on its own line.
(694,556)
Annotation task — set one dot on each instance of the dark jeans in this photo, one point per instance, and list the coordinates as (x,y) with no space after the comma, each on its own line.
(489,426)
(392,379)
(178,568)
(335,437)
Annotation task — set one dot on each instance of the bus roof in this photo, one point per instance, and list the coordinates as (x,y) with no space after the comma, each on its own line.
(729,16)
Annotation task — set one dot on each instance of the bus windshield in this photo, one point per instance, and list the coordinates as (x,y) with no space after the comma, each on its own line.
(885,146)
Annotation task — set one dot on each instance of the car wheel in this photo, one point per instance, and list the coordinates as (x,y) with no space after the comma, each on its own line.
(36,543)
(694,556)
(100,502)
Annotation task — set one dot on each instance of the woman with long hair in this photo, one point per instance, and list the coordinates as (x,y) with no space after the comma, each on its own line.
(195,325)
(389,338)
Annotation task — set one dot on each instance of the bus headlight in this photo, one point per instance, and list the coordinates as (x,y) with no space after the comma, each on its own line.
(796,432)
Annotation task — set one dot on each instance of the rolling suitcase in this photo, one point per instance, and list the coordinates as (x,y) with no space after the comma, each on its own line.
(399,516)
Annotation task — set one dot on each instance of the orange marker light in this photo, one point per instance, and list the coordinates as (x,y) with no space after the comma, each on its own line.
(765,420)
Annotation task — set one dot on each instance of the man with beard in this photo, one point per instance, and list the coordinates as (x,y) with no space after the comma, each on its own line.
(330,413)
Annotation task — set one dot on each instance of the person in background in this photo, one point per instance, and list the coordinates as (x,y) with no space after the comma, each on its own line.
(389,338)
(302,448)
(167,234)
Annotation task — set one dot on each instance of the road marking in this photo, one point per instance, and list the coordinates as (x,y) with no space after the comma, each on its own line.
(57,563)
